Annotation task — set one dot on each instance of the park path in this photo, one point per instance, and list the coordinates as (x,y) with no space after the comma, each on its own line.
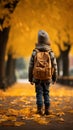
(18,108)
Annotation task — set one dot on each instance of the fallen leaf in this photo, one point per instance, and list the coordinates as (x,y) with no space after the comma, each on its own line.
(3,118)
(25,112)
(41,121)
(19,123)
(60,119)
(60,114)
(13,112)
(50,116)
(3,111)
(12,118)
(71,111)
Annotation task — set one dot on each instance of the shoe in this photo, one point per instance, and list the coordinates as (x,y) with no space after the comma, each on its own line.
(39,111)
(47,111)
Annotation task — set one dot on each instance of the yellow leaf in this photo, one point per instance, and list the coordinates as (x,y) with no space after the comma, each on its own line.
(60,119)
(51,116)
(40,120)
(3,111)
(4,118)
(60,114)
(71,111)
(13,112)
(43,121)
(25,112)
(12,118)
(36,115)
(19,123)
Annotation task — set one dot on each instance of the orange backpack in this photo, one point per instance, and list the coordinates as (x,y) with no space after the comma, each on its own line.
(42,66)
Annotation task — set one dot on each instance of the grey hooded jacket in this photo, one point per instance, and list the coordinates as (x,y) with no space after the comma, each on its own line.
(42,47)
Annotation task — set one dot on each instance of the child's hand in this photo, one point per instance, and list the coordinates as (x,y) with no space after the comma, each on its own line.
(32,83)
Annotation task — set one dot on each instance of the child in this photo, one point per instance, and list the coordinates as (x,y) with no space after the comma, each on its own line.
(42,71)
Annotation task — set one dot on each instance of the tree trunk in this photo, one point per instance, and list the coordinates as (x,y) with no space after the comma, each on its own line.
(65,60)
(3,42)
(58,65)
(10,70)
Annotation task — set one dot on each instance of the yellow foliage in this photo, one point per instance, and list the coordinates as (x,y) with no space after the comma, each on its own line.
(31,16)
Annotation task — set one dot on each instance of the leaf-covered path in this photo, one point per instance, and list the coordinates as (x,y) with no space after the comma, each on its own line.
(18,108)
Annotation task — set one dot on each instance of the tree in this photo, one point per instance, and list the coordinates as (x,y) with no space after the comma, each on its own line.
(3,41)
(63,57)
(10,70)
(7,7)
(50,15)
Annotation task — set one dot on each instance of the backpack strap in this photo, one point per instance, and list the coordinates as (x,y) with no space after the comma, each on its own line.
(35,51)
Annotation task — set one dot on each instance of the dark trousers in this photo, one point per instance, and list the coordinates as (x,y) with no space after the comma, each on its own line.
(42,92)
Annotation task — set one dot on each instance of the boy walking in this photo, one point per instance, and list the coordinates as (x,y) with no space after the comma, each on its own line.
(42,71)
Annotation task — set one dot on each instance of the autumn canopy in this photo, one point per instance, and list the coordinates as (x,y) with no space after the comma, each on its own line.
(31,16)
(20,21)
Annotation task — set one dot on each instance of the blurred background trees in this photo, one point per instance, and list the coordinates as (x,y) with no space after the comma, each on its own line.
(6,9)
(19,25)
(63,58)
